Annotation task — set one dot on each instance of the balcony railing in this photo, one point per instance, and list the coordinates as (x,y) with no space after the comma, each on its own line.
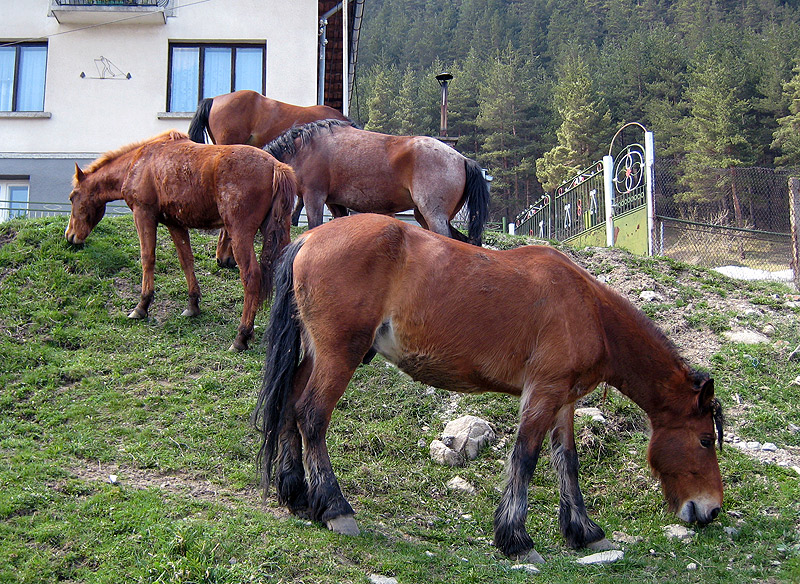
(107,11)
(160,3)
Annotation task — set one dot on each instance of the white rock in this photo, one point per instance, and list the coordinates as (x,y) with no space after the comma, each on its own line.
(678,531)
(769,447)
(753,445)
(530,568)
(602,557)
(768,329)
(459,484)
(745,337)
(467,435)
(691,566)
(732,531)
(796,469)
(650,296)
(112,479)
(378,579)
(623,537)
(593,413)
(443,455)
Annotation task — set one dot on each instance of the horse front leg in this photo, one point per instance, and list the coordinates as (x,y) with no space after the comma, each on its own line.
(298,209)
(510,535)
(146,229)
(315,203)
(250,274)
(576,527)
(225,257)
(180,237)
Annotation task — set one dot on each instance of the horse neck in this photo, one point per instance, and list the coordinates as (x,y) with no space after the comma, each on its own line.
(108,179)
(644,366)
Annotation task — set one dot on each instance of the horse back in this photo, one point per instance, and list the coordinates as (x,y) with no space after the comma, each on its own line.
(448,313)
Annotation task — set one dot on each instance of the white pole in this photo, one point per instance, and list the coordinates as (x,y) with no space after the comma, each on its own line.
(649,162)
(345,58)
(608,182)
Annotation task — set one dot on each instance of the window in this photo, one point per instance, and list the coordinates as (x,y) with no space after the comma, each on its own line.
(200,71)
(13,199)
(22,76)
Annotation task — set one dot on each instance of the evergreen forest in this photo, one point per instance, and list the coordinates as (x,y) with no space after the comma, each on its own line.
(540,87)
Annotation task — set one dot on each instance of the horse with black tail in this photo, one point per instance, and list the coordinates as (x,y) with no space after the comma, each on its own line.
(345,167)
(538,327)
(247,117)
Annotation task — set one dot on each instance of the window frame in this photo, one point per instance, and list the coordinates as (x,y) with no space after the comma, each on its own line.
(6,184)
(202,46)
(17,46)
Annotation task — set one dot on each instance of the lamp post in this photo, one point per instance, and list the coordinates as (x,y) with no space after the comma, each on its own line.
(443,79)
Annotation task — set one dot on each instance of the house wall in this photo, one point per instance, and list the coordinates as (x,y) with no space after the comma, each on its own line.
(84,116)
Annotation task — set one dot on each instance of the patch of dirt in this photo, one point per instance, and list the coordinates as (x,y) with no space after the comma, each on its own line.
(179,483)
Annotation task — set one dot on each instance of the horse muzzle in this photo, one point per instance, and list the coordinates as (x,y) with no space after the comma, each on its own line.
(699,511)
(73,238)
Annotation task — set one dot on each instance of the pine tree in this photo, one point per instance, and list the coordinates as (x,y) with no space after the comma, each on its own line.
(504,104)
(380,102)
(586,122)
(786,138)
(406,106)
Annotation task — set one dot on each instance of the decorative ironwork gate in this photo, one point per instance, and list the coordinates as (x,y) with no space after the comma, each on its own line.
(607,204)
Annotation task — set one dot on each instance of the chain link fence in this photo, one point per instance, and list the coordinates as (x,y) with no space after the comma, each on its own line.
(733,217)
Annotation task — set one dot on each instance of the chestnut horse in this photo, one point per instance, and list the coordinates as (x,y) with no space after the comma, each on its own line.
(247,117)
(171,180)
(526,322)
(337,163)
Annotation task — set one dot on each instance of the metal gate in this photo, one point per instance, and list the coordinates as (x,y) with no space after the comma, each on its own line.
(608,204)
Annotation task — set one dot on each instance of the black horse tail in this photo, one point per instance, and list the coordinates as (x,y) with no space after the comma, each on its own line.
(199,123)
(283,357)
(276,226)
(476,192)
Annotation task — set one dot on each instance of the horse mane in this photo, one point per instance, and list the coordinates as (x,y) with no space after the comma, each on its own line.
(112,155)
(286,145)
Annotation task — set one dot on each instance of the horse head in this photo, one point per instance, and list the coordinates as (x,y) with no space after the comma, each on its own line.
(682,453)
(87,208)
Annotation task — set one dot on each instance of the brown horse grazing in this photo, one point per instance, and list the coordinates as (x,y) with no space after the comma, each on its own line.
(247,117)
(171,180)
(526,322)
(368,172)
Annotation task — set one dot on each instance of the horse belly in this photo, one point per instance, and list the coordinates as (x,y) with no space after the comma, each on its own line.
(433,368)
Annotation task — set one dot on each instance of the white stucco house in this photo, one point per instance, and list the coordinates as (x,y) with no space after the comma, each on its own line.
(81,77)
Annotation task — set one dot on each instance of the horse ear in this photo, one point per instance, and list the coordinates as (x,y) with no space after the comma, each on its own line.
(79,175)
(706,393)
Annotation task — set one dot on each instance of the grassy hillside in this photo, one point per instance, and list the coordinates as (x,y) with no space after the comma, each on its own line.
(162,405)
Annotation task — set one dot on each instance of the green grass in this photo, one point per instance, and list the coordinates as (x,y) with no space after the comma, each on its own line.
(86,393)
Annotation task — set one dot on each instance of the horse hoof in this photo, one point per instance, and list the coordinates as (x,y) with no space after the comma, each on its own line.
(344,525)
(529,557)
(237,347)
(137,314)
(602,545)
(226,263)
(191,312)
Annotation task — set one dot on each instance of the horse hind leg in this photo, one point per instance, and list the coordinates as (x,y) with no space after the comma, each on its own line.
(314,408)
(576,527)
(250,274)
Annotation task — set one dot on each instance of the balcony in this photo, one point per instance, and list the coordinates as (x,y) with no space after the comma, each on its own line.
(110,11)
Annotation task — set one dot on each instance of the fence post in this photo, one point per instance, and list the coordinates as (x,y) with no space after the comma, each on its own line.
(608,182)
(794,225)
(649,163)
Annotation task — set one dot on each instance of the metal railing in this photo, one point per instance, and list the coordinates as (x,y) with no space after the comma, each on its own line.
(34,209)
(133,3)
